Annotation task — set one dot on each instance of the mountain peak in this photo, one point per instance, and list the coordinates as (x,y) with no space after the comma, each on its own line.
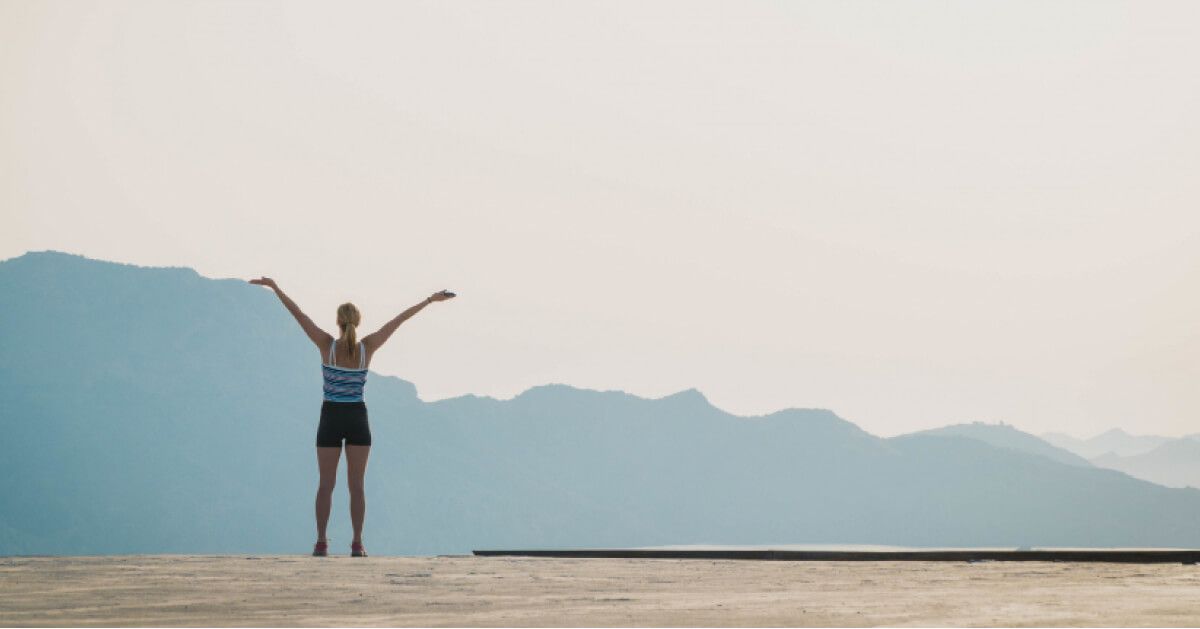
(50,260)
(45,253)
(53,255)
(691,395)
(560,390)
(1008,436)
(549,387)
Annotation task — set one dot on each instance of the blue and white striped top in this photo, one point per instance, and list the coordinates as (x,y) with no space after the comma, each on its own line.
(345,385)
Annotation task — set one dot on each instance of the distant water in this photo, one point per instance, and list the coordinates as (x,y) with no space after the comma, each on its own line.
(861,547)
(874,548)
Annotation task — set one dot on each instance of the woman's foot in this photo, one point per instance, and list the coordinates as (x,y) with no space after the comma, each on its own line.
(321,549)
(357,550)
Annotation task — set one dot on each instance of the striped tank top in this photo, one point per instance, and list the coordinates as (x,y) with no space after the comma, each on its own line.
(345,385)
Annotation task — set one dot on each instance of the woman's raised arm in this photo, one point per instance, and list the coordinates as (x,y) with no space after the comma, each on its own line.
(376,339)
(320,337)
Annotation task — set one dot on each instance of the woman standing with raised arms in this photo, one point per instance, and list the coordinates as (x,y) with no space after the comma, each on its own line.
(343,412)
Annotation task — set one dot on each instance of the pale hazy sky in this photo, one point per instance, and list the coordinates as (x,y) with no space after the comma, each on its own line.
(911,213)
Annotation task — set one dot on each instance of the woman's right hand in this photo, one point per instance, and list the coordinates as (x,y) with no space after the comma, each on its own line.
(439,296)
(264,281)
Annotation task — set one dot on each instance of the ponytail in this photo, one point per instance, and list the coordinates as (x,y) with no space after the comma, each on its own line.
(348,318)
(349,335)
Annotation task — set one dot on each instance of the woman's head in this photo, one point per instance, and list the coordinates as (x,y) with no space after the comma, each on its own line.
(347,321)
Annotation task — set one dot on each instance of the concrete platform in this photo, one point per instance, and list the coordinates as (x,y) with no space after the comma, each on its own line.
(340,591)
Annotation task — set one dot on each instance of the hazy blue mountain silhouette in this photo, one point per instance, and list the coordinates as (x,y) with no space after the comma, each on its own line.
(1005,436)
(152,410)
(1175,463)
(1115,440)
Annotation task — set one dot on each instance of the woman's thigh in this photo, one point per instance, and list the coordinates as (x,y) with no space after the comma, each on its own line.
(327,462)
(356,463)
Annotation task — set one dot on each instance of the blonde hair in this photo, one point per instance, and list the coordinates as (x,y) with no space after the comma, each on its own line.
(347,319)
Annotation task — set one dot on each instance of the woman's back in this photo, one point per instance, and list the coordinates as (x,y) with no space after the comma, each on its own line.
(340,356)
(344,384)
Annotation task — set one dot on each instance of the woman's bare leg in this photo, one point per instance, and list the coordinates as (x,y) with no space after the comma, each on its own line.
(356,470)
(327,462)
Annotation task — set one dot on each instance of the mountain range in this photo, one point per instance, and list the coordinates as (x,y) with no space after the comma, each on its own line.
(153,410)
(1115,441)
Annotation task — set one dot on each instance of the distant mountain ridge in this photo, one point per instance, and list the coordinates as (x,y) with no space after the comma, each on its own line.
(1116,441)
(1005,436)
(135,435)
(1175,463)
(1168,461)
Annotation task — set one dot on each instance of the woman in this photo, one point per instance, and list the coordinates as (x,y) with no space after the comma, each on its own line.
(343,413)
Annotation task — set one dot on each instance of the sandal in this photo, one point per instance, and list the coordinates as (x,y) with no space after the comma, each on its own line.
(321,549)
(357,550)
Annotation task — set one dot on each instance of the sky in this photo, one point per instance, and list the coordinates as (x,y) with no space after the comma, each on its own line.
(911,213)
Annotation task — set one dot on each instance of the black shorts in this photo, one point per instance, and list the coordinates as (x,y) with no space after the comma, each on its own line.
(343,420)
